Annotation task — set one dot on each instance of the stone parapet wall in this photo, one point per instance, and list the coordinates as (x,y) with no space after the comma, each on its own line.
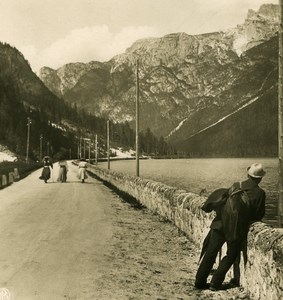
(264,272)
(178,206)
(8,179)
(263,278)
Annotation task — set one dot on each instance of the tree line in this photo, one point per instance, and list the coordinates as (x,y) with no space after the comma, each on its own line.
(60,125)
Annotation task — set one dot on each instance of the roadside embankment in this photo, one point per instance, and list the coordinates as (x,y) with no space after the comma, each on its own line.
(263,277)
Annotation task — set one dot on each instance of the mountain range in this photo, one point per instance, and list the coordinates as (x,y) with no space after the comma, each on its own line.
(187,82)
(53,122)
(212,94)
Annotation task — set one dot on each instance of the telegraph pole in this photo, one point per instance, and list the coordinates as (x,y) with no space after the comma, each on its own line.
(89,150)
(96,150)
(89,141)
(137,121)
(80,147)
(280,117)
(108,145)
(40,147)
(28,135)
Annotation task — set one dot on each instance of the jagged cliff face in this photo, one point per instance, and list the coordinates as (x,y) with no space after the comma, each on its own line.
(62,80)
(257,28)
(186,82)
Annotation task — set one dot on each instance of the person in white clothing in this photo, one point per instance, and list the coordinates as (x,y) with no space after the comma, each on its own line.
(63,169)
(82,170)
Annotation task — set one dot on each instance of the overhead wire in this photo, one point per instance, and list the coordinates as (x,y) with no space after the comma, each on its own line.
(200,26)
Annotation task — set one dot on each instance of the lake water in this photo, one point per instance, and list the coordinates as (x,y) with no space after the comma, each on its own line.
(193,175)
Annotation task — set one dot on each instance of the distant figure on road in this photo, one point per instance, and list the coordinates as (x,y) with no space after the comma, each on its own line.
(243,205)
(63,169)
(47,163)
(82,170)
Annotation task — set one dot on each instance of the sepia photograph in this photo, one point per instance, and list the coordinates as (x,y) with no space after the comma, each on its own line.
(141,150)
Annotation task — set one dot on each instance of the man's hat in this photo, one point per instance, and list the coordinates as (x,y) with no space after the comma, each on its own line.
(256,170)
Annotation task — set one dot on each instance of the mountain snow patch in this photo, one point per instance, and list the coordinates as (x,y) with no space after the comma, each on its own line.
(240,44)
(120,153)
(6,157)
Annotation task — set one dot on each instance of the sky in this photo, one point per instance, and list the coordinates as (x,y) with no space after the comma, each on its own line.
(55,32)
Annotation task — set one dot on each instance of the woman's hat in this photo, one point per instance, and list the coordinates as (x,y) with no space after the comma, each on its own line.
(256,170)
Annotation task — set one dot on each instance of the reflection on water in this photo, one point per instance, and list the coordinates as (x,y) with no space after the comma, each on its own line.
(195,175)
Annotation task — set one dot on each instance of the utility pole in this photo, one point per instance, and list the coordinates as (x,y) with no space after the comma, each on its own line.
(40,147)
(137,121)
(280,117)
(89,142)
(89,150)
(96,150)
(49,138)
(28,135)
(80,147)
(108,145)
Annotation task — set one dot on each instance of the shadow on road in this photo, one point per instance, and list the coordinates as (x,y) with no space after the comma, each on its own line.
(124,196)
(69,181)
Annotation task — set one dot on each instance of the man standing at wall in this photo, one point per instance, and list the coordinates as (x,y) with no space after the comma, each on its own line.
(245,205)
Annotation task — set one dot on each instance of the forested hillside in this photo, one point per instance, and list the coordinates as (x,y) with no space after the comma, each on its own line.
(23,95)
(250,132)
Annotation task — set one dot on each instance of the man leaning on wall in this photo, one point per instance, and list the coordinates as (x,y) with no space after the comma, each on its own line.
(232,230)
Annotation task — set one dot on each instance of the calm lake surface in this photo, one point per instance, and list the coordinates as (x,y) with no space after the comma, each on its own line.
(194,175)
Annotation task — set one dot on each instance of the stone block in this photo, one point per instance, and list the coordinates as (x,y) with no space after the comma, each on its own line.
(4,180)
(16,174)
(11,177)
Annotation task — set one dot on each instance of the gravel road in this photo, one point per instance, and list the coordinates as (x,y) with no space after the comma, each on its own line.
(83,241)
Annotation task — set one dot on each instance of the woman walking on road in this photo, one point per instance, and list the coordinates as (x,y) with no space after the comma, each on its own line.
(63,169)
(47,162)
(82,170)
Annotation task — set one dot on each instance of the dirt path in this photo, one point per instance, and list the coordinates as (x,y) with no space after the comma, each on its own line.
(82,241)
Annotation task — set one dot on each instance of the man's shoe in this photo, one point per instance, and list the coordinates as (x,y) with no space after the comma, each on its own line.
(214,287)
(201,286)
(234,282)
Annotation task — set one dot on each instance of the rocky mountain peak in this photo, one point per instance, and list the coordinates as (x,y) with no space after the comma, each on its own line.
(267,11)
(65,78)
(181,75)
(174,49)
(259,26)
